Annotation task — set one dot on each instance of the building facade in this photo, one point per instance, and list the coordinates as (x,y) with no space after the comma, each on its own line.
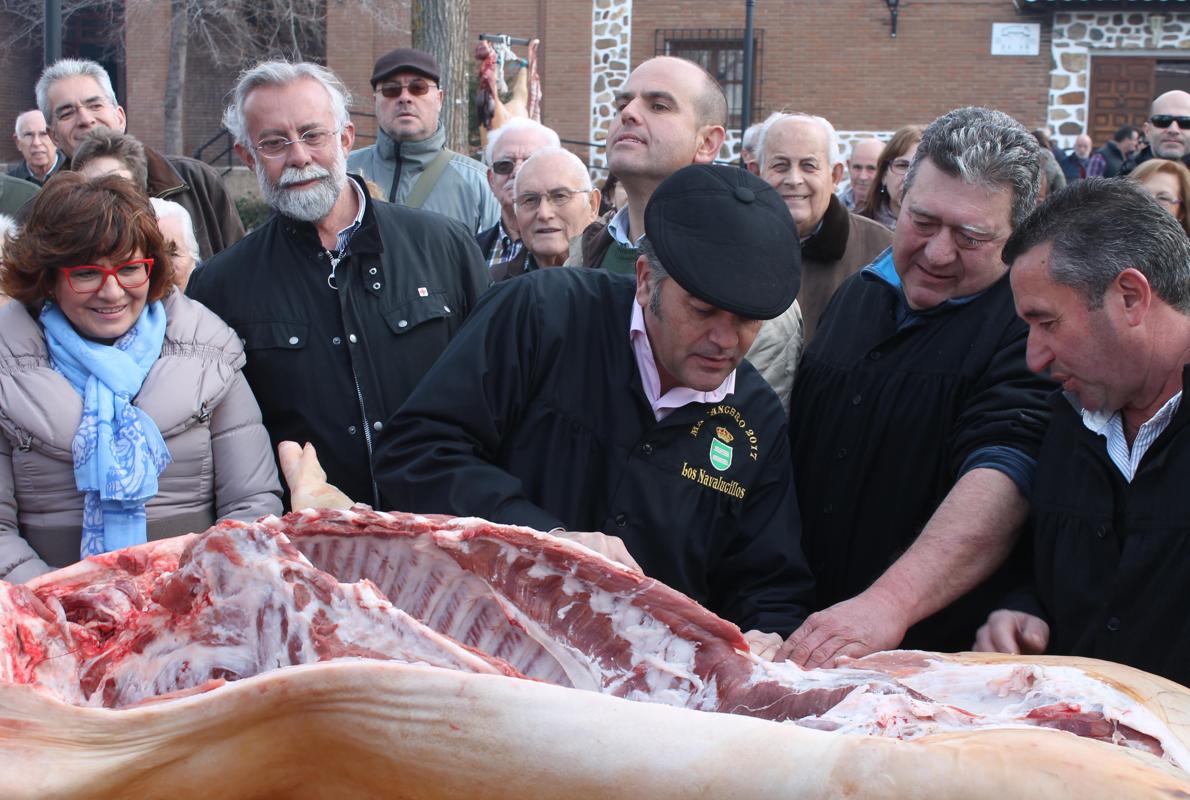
(1072,65)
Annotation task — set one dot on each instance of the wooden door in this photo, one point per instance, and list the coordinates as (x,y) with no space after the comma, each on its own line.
(1122,90)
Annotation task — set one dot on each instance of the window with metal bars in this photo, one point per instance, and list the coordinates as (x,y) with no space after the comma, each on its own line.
(720,51)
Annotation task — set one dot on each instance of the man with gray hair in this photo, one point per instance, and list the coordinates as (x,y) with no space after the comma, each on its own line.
(509,146)
(915,422)
(342,302)
(555,201)
(76,97)
(39,157)
(861,170)
(1107,302)
(798,155)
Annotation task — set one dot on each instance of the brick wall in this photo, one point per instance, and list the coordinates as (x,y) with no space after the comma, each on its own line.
(858,76)
(354,40)
(19,68)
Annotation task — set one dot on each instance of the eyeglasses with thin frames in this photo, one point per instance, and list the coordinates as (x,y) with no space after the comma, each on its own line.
(90,278)
(557,198)
(313,139)
(1167,200)
(418,87)
(900,166)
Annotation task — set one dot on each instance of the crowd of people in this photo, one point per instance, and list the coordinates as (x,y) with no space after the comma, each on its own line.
(927,395)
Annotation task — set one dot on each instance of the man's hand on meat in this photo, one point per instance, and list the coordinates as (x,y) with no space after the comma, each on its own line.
(1013,632)
(867,623)
(765,645)
(306,479)
(608,546)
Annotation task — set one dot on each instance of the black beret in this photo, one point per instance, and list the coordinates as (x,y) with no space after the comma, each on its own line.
(405,58)
(727,238)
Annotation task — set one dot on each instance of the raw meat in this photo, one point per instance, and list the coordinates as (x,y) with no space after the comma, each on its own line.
(236,602)
(185,637)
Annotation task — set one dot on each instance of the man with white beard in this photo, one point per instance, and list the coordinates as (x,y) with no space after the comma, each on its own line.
(342,302)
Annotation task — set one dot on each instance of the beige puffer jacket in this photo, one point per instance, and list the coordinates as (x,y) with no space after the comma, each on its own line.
(222,462)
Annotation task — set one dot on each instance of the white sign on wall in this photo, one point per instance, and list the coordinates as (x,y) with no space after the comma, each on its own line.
(1016,38)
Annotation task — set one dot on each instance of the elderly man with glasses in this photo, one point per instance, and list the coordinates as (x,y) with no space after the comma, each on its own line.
(554,201)
(342,303)
(509,147)
(410,161)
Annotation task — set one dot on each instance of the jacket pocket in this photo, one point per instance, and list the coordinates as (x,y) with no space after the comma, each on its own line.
(273,335)
(408,316)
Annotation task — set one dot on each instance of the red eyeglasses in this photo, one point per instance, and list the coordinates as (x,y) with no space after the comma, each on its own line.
(90,278)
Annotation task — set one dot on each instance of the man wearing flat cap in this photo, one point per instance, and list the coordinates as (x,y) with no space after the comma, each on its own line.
(410,161)
(582,400)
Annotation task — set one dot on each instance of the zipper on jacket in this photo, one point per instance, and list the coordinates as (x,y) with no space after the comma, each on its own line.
(24,441)
(203,415)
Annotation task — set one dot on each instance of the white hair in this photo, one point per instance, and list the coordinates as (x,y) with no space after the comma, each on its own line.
(751,136)
(280,73)
(518,124)
(832,138)
(69,68)
(168,208)
(16,127)
(8,227)
(572,161)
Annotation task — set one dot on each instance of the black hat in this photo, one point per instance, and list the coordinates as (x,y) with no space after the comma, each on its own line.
(405,58)
(727,238)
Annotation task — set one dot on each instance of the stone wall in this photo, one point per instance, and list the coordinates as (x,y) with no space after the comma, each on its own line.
(611,55)
(1078,35)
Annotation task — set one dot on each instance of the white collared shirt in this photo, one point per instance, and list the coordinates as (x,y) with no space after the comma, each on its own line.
(618,226)
(1111,427)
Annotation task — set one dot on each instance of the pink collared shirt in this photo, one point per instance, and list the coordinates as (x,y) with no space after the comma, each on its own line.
(664,404)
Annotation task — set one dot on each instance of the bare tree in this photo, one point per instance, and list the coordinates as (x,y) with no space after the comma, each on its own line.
(233,33)
(440,28)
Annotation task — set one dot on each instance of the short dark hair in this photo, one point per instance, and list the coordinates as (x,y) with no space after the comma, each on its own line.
(103,142)
(76,221)
(1124,132)
(1098,228)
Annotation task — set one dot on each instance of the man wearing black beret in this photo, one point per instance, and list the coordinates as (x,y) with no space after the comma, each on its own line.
(581,400)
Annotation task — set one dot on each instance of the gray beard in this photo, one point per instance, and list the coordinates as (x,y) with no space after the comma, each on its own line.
(311,204)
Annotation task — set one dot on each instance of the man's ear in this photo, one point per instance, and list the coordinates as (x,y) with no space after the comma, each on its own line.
(245,155)
(593,202)
(710,142)
(754,168)
(837,173)
(643,272)
(1135,294)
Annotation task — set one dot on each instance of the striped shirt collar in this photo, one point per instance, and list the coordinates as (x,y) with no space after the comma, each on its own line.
(1110,425)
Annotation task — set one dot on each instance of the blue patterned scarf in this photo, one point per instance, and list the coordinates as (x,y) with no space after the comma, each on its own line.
(118,450)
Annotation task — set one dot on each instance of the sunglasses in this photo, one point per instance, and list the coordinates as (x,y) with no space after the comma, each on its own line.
(505,166)
(418,87)
(1165,120)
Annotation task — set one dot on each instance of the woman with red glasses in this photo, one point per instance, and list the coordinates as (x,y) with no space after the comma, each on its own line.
(124,415)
